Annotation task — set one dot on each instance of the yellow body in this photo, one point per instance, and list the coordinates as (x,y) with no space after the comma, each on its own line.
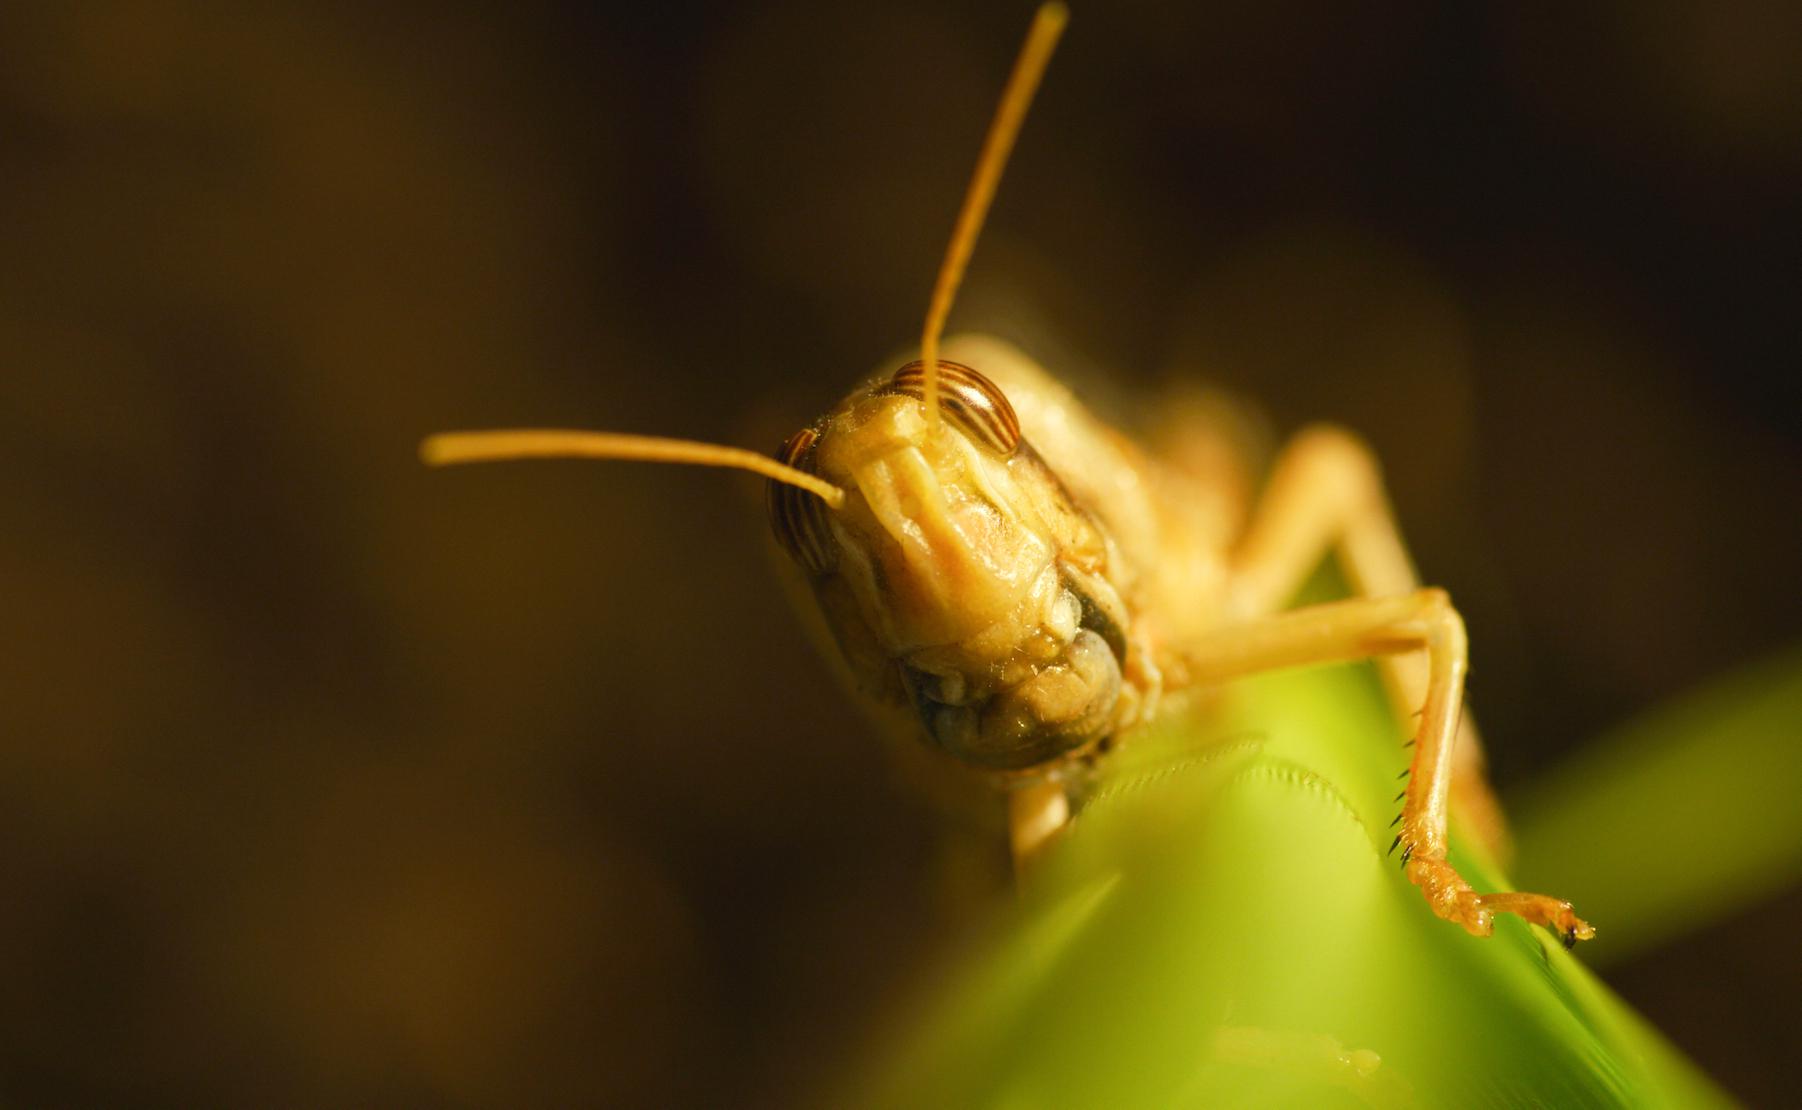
(1016,583)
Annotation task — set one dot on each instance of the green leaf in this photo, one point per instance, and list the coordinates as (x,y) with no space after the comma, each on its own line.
(1681,818)
(1223,927)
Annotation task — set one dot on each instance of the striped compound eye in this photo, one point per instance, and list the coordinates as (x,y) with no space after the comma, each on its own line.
(974,403)
(799,517)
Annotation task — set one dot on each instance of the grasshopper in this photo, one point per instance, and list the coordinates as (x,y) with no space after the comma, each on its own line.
(1015,584)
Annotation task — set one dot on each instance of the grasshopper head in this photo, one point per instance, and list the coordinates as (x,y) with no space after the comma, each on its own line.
(956,575)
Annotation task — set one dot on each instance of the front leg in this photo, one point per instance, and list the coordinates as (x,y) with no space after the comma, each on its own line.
(1035,814)
(1326,493)
(1420,622)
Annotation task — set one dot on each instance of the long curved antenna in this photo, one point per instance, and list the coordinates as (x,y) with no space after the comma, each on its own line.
(1041,40)
(452,448)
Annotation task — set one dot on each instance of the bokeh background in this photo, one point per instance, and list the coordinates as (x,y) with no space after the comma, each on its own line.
(328,779)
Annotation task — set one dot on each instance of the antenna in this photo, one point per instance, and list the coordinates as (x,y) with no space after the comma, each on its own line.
(1041,40)
(452,448)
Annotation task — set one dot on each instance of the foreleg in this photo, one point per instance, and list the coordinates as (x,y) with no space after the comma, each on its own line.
(1325,493)
(1424,624)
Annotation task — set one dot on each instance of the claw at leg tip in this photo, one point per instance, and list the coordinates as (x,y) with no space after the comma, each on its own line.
(1569,937)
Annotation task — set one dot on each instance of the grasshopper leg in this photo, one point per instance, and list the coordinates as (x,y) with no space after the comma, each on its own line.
(1035,814)
(1422,623)
(1325,493)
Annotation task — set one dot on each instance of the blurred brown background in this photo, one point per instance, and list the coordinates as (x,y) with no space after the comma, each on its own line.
(326,779)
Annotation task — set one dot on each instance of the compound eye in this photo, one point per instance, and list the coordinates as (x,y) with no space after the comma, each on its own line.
(798,517)
(972,402)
